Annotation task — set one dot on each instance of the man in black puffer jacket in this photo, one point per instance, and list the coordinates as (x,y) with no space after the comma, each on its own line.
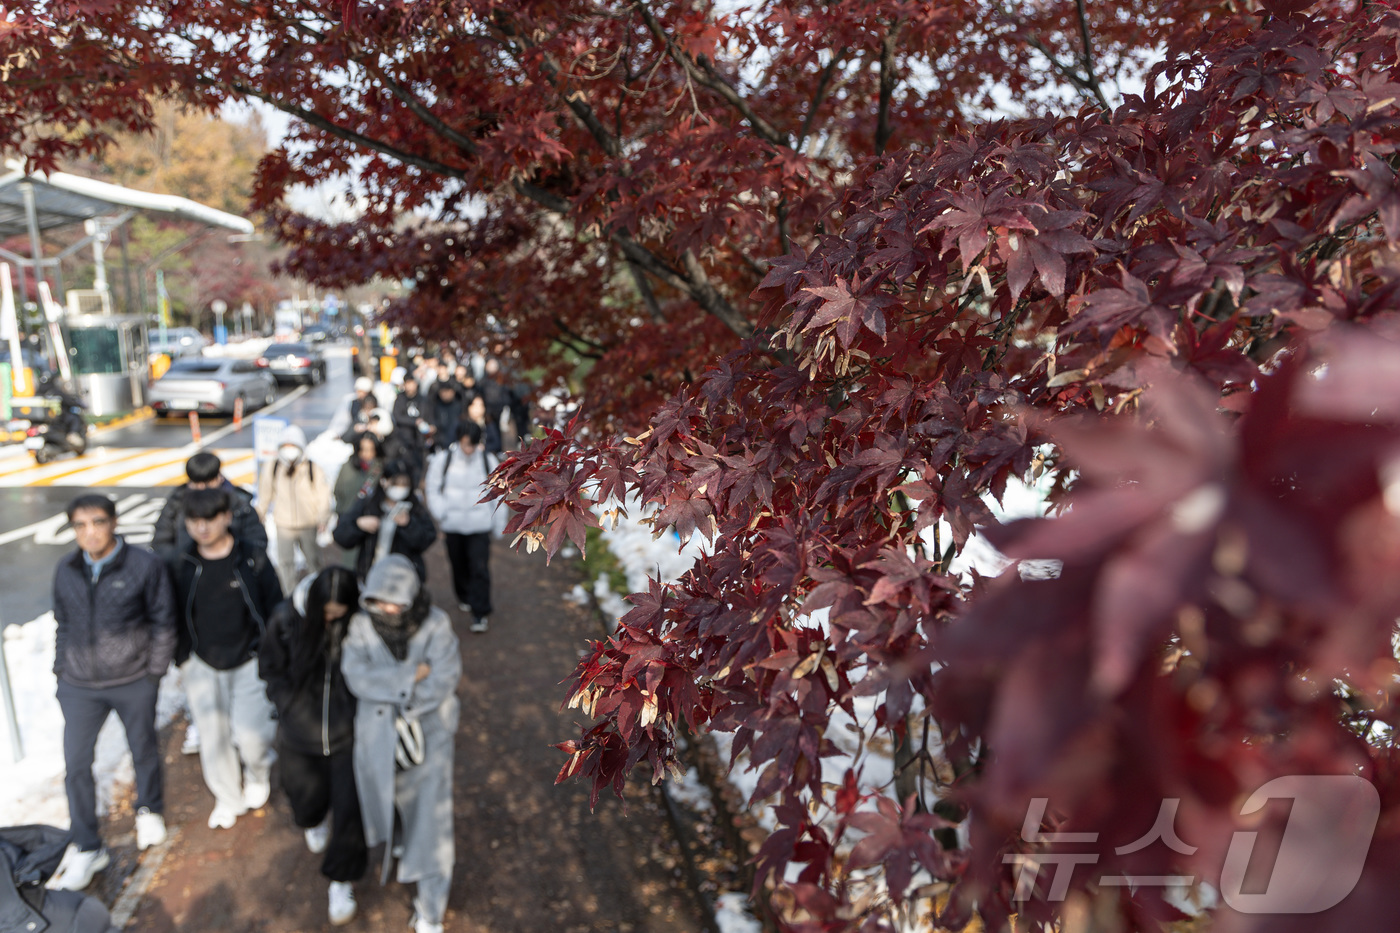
(203,472)
(115,616)
(28,856)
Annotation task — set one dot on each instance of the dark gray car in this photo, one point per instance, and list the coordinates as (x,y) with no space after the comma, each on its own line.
(294,362)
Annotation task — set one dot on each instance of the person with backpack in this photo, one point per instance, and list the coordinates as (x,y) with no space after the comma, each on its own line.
(390,520)
(295,492)
(455,484)
(299,659)
(402,661)
(225,592)
(203,471)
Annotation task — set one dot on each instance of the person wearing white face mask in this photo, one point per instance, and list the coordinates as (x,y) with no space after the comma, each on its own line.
(390,520)
(295,492)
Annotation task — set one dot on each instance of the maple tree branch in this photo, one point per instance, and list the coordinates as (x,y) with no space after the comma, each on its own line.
(578,338)
(648,296)
(517,40)
(420,110)
(693,282)
(887,82)
(1089,85)
(819,98)
(313,118)
(1090,68)
(704,74)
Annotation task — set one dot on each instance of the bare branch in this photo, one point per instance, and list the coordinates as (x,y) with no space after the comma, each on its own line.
(313,118)
(887,82)
(648,296)
(704,74)
(1091,71)
(823,87)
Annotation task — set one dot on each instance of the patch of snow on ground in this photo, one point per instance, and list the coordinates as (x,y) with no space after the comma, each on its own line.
(689,791)
(733,915)
(33,786)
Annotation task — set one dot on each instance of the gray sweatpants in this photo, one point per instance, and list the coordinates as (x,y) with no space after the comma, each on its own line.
(304,538)
(430,900)
(236,728)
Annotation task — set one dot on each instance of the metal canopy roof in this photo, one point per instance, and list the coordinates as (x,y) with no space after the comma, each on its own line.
(62,199)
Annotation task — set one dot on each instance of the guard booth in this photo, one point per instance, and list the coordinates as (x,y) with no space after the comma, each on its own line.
(107,353)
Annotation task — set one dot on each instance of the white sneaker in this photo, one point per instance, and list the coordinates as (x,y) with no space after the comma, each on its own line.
(342,903)
(223,816)
(76,869)
(318,836)
(191,744)
(423,925)
(479,625)
(150,829)
(255,794)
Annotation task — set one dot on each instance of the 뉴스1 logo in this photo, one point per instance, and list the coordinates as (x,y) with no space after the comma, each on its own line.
(1320,858)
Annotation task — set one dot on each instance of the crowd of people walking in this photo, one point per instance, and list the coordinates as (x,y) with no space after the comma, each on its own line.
(343,673)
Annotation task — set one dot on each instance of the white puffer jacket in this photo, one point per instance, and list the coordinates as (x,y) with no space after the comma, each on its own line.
(455,484)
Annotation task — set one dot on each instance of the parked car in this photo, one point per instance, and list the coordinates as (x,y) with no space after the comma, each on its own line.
(179,342)
(211,385)
(294,362)
(317,333)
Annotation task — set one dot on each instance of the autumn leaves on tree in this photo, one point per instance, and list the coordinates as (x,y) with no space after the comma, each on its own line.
(832,309)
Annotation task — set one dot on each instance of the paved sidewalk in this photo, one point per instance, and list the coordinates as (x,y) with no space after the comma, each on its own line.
(530,856)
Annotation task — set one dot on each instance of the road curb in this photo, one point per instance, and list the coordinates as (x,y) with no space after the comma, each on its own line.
(140,414)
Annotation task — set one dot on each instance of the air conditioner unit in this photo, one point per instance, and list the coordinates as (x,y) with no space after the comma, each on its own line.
(89,301)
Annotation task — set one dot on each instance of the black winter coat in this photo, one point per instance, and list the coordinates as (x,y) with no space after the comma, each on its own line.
(315,710)
(257,580)
(119,629)
(172,539)
(28,857)
(410,541)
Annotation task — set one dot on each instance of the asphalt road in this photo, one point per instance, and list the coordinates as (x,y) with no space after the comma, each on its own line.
(137,464)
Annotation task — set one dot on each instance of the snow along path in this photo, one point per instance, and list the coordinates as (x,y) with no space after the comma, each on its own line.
(33,786)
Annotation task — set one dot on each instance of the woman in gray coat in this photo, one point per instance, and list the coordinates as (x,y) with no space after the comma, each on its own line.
(402,661)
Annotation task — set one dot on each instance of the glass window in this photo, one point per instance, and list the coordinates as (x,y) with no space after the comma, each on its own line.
(192,366)
(96,350)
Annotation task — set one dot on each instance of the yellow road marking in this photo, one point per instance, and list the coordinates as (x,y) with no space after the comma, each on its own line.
(113,480)
(82,467)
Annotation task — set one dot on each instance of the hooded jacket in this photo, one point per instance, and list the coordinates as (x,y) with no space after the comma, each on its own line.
(257,581)
(29,855)
(119,629)
(172,538)
(298,496)
(315,709)
(387,688)
(455,485)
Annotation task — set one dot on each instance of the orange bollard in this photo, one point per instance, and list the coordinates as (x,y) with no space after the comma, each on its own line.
(194,426)
(238,413)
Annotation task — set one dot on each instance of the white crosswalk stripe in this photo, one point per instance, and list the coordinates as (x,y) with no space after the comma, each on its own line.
(121,466)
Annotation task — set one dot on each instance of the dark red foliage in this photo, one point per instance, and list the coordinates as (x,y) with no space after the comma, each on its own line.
(1185,311)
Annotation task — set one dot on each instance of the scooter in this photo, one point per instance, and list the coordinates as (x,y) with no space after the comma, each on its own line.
(57,426)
